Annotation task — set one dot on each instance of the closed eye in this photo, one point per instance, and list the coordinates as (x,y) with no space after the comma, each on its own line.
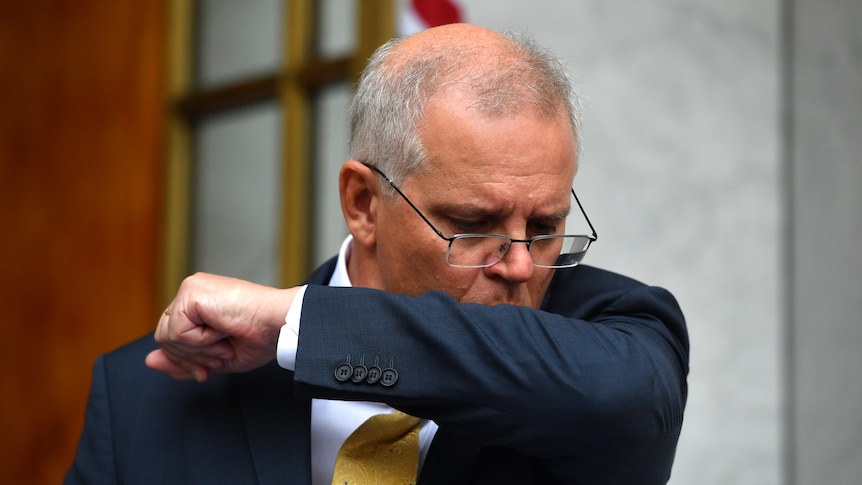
(461,226)
(543,228)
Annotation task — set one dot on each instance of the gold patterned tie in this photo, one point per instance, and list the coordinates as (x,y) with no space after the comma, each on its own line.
(383,450)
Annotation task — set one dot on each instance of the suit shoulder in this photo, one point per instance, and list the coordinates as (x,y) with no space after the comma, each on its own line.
(134,351)
(586,277)
(587,290)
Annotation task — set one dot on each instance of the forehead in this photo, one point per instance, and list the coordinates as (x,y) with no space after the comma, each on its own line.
(523,155)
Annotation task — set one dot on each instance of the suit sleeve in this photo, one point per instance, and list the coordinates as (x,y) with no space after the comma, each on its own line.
(94,460)
(595,385)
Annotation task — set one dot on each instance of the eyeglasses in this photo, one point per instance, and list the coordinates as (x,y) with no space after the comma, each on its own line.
(484,250)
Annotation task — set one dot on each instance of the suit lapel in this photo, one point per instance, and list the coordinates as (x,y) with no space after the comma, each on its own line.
(277,425)
(455,460)
(449,461)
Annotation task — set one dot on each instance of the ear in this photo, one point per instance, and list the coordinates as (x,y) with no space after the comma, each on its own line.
(359,189)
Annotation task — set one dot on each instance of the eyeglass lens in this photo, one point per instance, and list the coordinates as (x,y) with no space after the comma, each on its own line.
(475,250)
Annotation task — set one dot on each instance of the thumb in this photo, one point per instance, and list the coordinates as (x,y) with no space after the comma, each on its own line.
(159,360)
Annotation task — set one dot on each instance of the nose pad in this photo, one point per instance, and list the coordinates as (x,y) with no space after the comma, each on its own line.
(503,249)
(515,264)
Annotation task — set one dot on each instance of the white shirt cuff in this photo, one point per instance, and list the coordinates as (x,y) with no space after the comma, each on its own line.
(288,337)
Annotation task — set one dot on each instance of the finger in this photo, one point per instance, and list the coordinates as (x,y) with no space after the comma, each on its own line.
(200,335)
(184,339)
(209,355)
(159,360)
(176,325)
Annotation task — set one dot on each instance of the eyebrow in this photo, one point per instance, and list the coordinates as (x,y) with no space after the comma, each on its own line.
(561,214)
(479,212)
(465,210)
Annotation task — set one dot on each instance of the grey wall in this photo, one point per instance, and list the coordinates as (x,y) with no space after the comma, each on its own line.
(824,151)
(681,175)
(722,161)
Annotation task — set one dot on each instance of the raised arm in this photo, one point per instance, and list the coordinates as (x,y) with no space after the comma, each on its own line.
(599,375)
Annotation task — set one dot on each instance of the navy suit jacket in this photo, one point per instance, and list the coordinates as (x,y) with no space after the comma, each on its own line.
(590,389)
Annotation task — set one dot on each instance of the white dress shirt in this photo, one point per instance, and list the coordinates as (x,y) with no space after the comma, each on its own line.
(333,421)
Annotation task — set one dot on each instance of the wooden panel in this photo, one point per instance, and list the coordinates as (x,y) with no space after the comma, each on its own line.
(296,146)
(81,154)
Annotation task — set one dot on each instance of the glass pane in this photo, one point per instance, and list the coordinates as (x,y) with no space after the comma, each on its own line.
(237,40)
(337,28)
(331,130)
(237,198)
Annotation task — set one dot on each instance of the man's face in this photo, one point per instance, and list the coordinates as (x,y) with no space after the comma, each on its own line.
(509,175)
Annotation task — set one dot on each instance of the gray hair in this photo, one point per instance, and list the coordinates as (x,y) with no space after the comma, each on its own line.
(390,100)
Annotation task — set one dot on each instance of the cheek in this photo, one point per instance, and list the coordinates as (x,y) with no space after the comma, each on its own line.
(422,268)
(419,272)
(456,282)
(411,261)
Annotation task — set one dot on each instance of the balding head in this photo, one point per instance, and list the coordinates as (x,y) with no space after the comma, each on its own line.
(498,74)
(464,37)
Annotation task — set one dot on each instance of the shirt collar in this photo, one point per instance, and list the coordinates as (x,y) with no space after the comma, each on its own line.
(340,276)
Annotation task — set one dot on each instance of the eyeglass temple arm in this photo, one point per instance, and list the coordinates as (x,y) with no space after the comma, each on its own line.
(595,235)
(415,209)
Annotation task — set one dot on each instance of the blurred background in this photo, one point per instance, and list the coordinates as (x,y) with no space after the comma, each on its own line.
(142,141)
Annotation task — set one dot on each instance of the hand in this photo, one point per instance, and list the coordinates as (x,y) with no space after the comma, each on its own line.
(217,324)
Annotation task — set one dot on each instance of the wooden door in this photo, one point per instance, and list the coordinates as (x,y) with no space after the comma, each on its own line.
(81,160)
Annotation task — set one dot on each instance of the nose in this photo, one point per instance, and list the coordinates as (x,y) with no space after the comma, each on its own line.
(516,265)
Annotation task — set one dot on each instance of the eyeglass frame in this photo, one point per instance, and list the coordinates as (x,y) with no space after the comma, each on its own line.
(591,238)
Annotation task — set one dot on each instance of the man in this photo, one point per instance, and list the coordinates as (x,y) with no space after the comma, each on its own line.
(464,146)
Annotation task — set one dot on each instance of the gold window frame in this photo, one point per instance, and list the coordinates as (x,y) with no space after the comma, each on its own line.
(301,74)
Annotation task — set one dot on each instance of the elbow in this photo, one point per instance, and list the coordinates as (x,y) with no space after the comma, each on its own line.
(645,403)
